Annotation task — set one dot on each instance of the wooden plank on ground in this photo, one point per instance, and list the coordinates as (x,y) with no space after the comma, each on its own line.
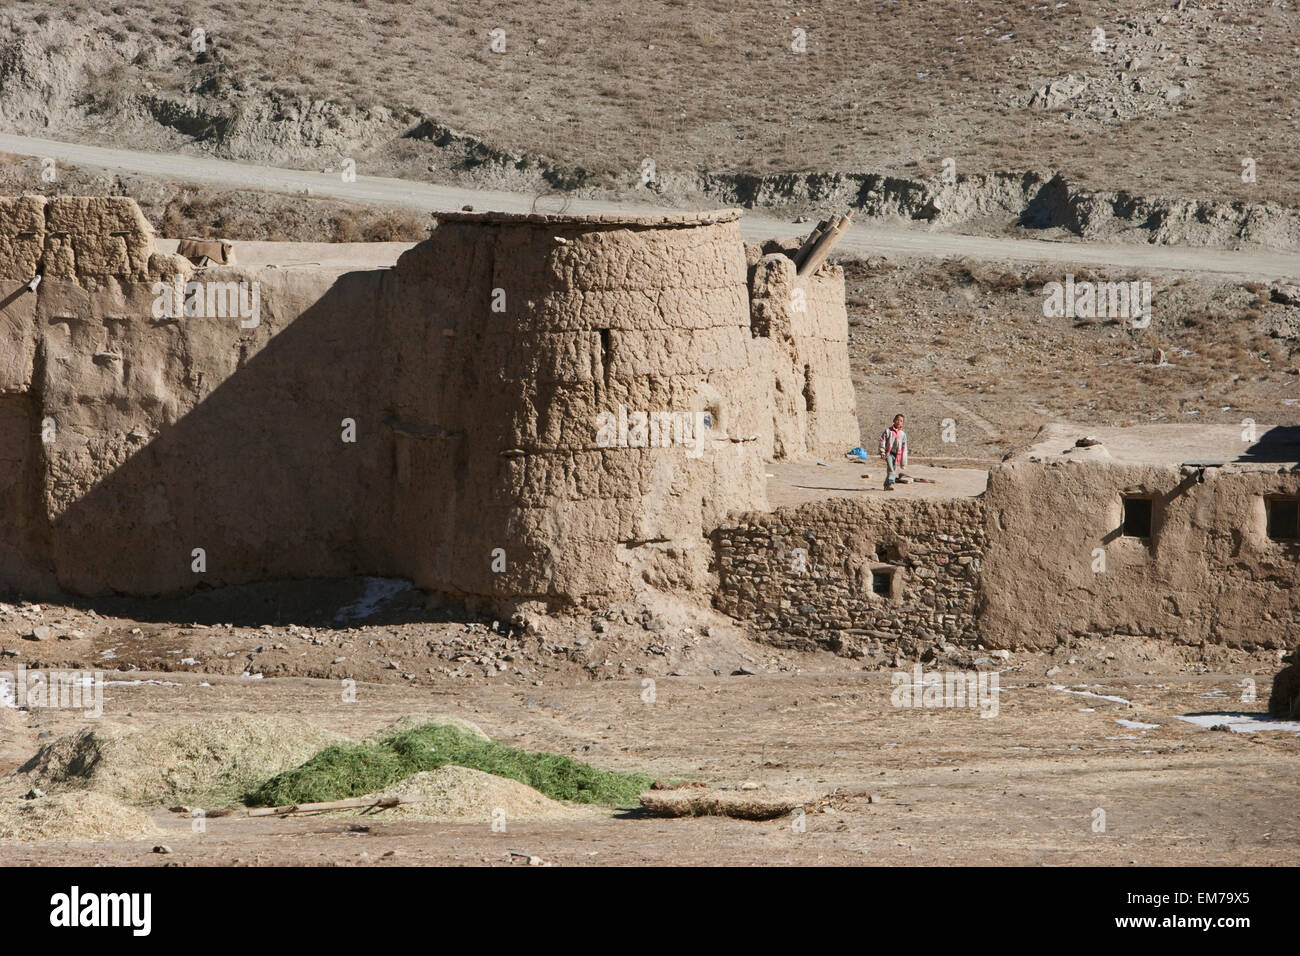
(381,803)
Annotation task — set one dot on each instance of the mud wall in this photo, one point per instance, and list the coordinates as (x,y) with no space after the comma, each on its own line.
(842,573)
(528,351)
(1058,564)
(1040,558)
(160,452)
(441,420)
(802,322)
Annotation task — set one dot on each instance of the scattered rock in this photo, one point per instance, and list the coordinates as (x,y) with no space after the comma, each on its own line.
(1059,92)
(1285,293)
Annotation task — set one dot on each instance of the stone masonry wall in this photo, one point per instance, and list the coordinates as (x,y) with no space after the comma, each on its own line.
(925,554)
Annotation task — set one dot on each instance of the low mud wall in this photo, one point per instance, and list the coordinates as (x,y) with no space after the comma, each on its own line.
(1059,564)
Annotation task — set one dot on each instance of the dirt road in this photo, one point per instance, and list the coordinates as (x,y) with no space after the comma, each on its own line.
(898,242)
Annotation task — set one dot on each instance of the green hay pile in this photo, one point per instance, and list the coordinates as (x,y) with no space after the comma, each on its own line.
(351,770)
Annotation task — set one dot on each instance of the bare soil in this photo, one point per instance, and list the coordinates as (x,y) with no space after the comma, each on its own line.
(898,785)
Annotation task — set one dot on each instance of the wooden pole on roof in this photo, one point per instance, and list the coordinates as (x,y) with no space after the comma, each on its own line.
(811,241)
(825,243)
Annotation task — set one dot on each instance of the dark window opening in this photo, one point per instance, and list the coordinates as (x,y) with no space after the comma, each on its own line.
(1283,518)
(1137,517)
(604,356)
(881,582)
(809,400)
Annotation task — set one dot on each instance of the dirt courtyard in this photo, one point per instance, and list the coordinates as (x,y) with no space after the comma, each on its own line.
(1089,765)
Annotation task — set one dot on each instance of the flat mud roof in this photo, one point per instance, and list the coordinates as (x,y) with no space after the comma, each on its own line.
(634,220)
(1192,445)
(798,482)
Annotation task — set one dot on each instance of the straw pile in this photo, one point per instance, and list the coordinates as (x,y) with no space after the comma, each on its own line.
(199,762)
(72,817)
(460,794)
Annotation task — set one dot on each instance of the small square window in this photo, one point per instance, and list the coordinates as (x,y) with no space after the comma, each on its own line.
(1283,518)
(882,582)
(1137,517)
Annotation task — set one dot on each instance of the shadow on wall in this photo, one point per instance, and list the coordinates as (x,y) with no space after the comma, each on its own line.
(256,474)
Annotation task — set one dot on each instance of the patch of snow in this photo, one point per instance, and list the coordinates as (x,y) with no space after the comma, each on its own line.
(1243,723)
(7,698)
(377,592)
(1088,693)
(191,661)
(1135,725)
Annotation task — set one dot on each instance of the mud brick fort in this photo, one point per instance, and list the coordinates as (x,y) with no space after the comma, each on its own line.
(562,411)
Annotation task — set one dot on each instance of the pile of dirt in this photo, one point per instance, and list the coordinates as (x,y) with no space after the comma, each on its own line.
(759,804)
(463,794)
(207,762)
(72,817)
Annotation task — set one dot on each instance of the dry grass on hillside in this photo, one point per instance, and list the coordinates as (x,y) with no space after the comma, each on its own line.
(1175,100)
(969,342)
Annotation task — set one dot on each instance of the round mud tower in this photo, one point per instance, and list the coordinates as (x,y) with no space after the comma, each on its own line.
(575,404)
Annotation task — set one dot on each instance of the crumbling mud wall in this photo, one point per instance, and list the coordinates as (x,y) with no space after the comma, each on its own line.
(843,573)
(801,324)
(574,407)
(1058,564)
(163,450)
(525,408)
